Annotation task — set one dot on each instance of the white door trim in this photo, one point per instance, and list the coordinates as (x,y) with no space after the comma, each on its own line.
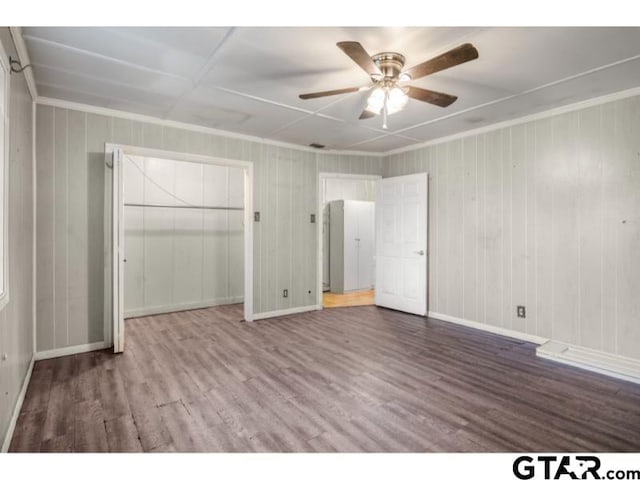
(111,245)
(322,176)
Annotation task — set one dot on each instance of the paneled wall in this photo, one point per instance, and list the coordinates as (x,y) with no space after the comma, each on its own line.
(544,214)
(71,218)
(16,318)
(179,258)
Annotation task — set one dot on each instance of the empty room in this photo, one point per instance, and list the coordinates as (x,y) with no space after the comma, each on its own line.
(320,239)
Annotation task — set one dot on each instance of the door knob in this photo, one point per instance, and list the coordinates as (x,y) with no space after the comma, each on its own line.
(419,252)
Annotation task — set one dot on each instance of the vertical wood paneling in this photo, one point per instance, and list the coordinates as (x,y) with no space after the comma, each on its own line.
(270,225)
(482,238)
(565,241)
(45,184)
(494,233)
(284,225)
(506,254)
(255,154)
(470,230)
(455,229)
(518,218)
(611,174)
(298,292)
(188,235)
(628,251)
(545,163)
(556,202)
(78,241)
(441,227)
(61,246)
(98,133)
(591,212)
(531,299)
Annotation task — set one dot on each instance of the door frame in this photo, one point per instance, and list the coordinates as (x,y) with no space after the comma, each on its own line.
(114,185)
(323,176)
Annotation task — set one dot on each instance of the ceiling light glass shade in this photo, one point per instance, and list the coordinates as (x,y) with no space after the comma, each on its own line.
(395,97)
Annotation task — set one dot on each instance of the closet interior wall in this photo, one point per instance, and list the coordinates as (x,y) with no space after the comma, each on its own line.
(184,235)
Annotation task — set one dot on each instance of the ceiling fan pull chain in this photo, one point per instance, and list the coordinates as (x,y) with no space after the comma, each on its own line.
(384,109)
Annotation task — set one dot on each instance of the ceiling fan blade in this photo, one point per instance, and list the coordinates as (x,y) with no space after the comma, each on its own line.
(358,54)
(307,96)
(366,114)
(429,96)
(454,57)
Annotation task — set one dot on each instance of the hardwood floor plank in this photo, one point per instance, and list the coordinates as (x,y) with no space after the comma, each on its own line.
(359,379)
(122,435)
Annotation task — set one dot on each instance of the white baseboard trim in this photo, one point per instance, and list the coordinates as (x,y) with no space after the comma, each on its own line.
(489,328)
(182,307)
(16,410)
(72,350)
(617,366)
(286,311)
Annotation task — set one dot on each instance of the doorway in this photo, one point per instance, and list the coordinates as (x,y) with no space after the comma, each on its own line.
(182,234)
(346,239)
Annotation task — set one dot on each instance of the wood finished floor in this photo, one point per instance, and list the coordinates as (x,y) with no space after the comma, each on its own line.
(351,379)
(352,299)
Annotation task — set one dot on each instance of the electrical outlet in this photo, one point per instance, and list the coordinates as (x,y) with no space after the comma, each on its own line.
(313,218)
(285,293)
(521,311)
(256,216)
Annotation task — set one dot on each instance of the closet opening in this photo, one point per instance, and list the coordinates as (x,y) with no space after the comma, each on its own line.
(346,257)
(179,238)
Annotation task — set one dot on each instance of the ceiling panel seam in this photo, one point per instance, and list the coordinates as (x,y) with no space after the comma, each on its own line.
(206,68)
(104,57)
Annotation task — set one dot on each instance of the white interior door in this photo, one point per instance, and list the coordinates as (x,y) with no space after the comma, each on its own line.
(401,243)
(117,274)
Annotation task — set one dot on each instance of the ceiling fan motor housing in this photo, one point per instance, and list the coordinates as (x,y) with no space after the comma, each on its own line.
(389,63)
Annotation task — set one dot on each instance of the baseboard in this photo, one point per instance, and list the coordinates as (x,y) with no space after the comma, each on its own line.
(182,307)
(72,350)
(617,366)
(286,311)
(489,328)
(16,410)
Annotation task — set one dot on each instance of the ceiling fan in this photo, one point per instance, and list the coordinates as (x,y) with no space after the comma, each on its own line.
(389,92)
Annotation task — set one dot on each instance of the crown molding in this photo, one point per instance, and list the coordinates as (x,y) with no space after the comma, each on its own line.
(81,107)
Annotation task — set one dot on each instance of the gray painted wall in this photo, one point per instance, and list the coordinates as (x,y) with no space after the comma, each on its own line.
(70,243)
(544,214)
(181,258)
(16,319)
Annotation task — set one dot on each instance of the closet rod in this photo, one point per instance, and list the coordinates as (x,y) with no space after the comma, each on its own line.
(182,206)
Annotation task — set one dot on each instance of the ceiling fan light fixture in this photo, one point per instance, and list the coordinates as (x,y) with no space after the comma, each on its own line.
(394,97)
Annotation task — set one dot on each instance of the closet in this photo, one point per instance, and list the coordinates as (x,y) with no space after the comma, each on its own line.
(183,235)
(351,243)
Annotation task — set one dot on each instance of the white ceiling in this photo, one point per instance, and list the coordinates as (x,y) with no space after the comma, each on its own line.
(247,79)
